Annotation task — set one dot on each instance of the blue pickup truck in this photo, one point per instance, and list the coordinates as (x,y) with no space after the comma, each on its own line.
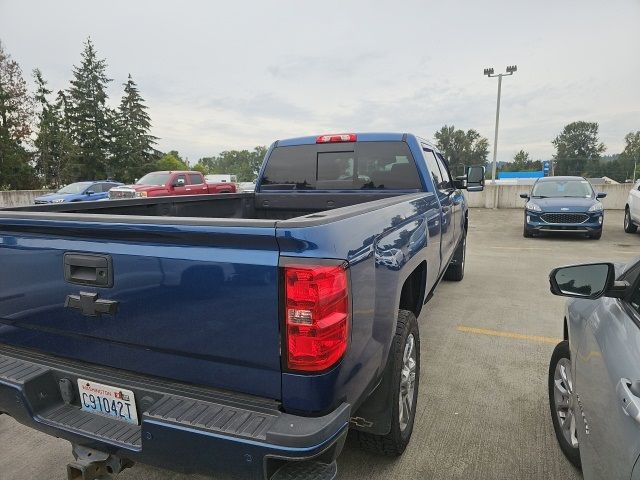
(245,333)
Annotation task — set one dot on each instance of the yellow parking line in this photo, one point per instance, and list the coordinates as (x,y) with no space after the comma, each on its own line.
(522,248)
(512,335)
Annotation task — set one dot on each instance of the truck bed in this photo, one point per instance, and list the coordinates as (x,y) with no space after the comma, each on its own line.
(245,206)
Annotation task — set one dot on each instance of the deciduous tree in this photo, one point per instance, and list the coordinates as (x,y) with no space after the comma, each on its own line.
(16,113)
(578,149)
(462,148)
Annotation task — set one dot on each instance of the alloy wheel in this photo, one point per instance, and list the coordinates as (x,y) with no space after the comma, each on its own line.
(407,382)
(564,402)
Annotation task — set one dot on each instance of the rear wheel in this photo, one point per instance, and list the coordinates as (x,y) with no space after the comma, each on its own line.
(629,226)
(405,363)
(562,402)
(455,270)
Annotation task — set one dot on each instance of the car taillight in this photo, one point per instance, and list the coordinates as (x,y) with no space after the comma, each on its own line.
(316,316)
(336,138)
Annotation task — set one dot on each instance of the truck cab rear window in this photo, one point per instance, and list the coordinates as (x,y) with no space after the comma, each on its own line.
(361,166)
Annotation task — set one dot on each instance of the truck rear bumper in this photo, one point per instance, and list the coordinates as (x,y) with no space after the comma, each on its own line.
(182,428)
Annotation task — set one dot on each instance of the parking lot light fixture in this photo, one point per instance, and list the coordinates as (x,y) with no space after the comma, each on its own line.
(489,72)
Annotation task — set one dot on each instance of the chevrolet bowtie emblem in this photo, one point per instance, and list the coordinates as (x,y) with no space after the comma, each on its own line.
(90,305)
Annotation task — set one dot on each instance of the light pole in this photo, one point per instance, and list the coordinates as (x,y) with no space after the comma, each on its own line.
(489,73)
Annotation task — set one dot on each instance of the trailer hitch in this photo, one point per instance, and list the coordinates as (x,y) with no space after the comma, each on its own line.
(93,464)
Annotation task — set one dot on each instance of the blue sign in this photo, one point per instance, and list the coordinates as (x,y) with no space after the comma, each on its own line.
(546,166)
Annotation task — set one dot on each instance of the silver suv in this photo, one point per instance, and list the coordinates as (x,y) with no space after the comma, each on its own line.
(594,374)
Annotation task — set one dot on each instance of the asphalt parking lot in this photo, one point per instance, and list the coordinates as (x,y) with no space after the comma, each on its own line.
(486,344)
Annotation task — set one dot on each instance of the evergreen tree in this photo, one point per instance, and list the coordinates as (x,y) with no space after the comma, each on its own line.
(16,111)
(90,119)
(53,143)
(133,144)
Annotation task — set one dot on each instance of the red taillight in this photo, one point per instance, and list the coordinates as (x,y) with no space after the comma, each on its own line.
(336,138)
(316,316)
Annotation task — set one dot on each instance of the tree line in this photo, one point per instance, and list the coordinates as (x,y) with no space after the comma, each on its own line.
(49,140)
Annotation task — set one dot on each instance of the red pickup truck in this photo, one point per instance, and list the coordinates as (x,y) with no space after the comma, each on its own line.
(164,184)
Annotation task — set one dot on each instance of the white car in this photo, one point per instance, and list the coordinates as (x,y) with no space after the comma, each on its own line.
(632,209)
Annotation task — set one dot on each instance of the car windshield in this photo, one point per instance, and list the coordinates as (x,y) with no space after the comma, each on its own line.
(562,188)
(77,187)
(154,179)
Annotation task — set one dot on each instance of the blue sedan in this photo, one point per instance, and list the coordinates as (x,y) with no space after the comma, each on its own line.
(79,192)
(563,204)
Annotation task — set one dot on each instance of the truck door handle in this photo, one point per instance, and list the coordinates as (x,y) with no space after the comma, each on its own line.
(629,401)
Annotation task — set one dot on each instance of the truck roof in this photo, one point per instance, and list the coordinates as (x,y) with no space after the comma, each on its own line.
(360,137)
(176,171)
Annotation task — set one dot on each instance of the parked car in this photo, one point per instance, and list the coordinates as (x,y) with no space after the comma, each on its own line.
(79,192)
(563,204)
(268,327)
(632,210)
(164,184)
(594,373)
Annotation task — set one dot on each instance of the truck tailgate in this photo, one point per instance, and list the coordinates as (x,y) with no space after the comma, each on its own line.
(194,303)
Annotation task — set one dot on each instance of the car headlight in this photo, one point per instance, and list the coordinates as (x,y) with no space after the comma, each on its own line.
(58,200)
(141,194)
(534,207)
(596,207)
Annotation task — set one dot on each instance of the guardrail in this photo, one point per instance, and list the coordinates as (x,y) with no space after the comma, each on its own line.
(508,196)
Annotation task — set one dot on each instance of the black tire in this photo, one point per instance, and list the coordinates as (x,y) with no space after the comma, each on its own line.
(526,233)
(596,235)
(572,453)
(629,226)
(455,271)
(395,442)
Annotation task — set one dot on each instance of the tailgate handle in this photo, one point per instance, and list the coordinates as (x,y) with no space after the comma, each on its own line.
(88,269)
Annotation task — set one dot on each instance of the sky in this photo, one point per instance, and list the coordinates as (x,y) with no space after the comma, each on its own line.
(235,74)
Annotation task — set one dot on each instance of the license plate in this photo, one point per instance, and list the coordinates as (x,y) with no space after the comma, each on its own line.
(109,401)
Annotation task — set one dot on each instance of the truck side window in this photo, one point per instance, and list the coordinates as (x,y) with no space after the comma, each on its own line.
(444,170)
(181,176)
(434,169)
(195,179)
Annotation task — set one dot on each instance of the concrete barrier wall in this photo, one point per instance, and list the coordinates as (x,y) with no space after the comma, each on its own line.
(509,196)
(19,198)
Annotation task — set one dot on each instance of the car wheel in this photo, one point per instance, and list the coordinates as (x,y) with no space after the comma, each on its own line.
(526,233)
(406,378)
(629,226)
(562,402)
(455,271)
(596,235)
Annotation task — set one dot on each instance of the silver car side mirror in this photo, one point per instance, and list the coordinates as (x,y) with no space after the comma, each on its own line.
(588,281)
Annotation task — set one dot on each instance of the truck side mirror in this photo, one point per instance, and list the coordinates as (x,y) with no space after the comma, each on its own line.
(525,196)
(475,179)
(588,281)
(601,195)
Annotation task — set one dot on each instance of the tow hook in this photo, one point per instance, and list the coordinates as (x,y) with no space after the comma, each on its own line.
(93,464)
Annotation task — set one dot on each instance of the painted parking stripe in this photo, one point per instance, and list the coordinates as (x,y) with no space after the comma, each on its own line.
(512,335)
